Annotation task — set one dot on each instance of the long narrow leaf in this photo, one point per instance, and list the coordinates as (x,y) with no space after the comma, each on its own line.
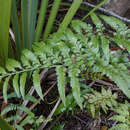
(22,84)
(32,12)
(5,10)
(41,19)
(24,14)
(16,85)
(51,19)
(36,83)
(74,82)
(60,70)
(14,18)
(5,88)
(68,17)
(99,5)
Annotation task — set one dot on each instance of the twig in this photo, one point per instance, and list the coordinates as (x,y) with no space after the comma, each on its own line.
(107,12)
(104,83)
(50,115)
(80,120)
(12,35)
(35,104)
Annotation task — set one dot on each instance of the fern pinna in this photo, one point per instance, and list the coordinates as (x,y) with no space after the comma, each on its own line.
(70,52)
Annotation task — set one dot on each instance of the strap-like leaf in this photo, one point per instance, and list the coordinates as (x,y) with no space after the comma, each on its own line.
(5,88)
(16,85)
(60,70)
(36,83)
(22,83)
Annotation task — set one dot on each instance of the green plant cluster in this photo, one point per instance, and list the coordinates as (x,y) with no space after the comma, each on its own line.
(71,52)
(123,117)
(96,100)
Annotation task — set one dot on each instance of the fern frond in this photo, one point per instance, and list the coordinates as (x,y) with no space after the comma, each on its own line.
(74,82)
(16,85)
(36,83)
(13,118)
(10,107)
(115,23)
(5,88)
(25,109)
(122,117)
(98,100)
(22,83)
(11,64)
(119,76)
(61,72)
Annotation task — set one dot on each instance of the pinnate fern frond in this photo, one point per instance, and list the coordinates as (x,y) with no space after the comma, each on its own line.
(96,100)
(75,49)
(122,116)
(74,82)
(36,83)
(61,73)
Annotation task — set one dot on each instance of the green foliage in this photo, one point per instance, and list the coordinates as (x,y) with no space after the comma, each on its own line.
(75,49)
(30,118)
(123,117)
(5,11)
(96,100)
(61,71)
(4,125)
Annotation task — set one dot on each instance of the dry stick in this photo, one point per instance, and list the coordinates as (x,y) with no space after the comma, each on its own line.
(80,120)
(105,83)
(12,34)
(108,12)
(35,104)
(50,115)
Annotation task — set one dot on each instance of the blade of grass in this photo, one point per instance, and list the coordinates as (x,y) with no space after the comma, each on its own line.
(51,19)
(99,5)
(32,12)
(69,4)
(5,10)
(14,18)
(68,17)
(29,12)
(24,14)
(41,19)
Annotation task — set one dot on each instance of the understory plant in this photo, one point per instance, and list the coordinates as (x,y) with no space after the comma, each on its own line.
(72,52)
